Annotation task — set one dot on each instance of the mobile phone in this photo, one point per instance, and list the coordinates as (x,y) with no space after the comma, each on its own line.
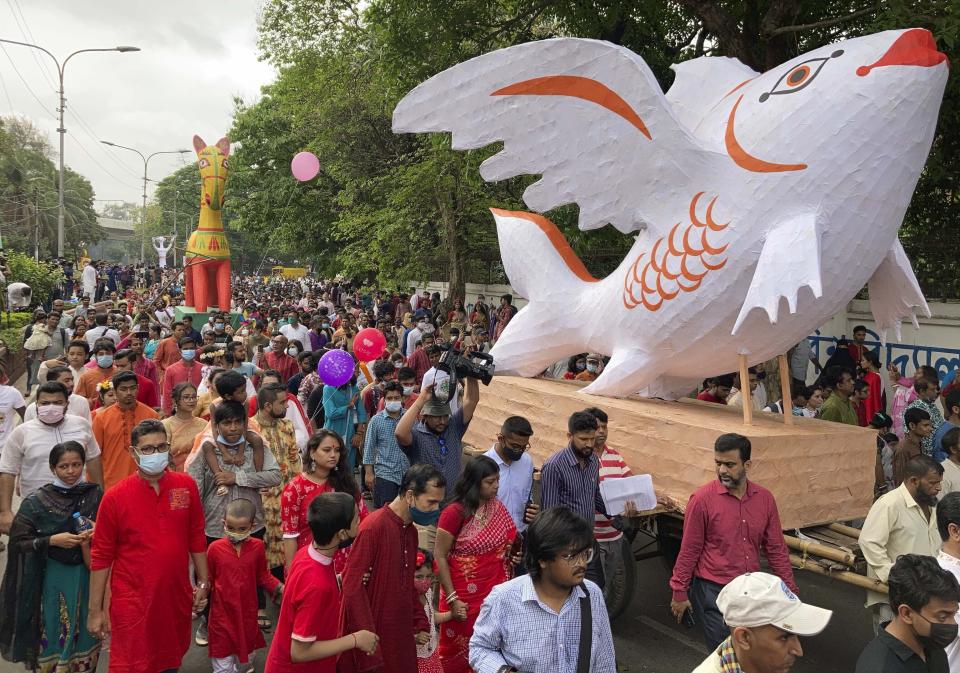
(687,619)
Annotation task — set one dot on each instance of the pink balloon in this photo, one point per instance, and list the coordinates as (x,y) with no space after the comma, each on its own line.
(369,343)
(305,166)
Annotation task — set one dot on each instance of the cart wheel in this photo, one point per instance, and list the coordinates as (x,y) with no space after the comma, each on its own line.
(669,536)
(618,589)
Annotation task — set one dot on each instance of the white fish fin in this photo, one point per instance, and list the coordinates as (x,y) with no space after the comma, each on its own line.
(789,260)
(895,293)
(701,83)
(587,116)
(534,339)
(629,370)
(543,268)
(537,258)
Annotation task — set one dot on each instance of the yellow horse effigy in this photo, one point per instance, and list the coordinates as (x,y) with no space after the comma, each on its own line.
(207,269)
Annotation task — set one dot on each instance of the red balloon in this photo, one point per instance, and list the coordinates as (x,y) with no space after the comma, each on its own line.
(369,343)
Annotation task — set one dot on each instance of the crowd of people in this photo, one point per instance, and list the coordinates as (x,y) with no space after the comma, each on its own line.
(174,477)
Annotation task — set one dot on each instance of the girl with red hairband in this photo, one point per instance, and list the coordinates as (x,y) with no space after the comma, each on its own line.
(424,579)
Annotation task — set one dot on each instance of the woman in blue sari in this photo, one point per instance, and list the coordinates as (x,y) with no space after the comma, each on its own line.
(44,595)
(344,413)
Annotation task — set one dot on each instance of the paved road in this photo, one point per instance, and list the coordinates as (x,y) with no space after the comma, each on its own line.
(647,639)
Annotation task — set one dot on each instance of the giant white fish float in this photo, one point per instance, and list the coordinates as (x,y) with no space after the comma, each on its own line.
(747,190)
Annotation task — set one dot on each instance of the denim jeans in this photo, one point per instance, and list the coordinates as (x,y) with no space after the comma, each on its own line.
(384,491)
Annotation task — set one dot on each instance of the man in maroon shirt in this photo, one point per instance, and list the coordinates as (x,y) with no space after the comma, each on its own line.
(727,524)
(716,389)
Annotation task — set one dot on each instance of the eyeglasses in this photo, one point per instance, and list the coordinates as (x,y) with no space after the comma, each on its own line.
(188,398)
(580,558)
(150,450)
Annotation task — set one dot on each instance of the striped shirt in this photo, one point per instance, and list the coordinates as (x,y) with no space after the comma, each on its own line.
(563,483)
(611,467)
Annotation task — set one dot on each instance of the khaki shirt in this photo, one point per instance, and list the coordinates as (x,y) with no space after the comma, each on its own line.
(895,526)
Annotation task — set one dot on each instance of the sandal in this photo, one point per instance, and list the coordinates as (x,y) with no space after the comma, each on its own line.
(264,623)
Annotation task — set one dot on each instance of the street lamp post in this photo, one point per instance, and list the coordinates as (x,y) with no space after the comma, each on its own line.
(62,130)
(146,162)
(176,198)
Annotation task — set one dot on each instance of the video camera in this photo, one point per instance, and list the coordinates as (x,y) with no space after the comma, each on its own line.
(478,366)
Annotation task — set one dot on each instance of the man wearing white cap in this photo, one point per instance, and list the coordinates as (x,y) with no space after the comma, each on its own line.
(765,620)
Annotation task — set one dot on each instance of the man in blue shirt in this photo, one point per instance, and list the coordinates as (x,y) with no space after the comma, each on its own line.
(383,461)
(516,469)
(571,478)
(533,622)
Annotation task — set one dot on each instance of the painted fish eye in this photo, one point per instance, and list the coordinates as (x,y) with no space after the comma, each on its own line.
(204,163)
(799,77)
(225,164)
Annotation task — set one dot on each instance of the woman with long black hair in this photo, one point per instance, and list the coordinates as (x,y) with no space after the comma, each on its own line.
(474,536)
(45,590)
(325,470)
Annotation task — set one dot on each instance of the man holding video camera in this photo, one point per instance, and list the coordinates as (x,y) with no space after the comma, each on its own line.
(437,438)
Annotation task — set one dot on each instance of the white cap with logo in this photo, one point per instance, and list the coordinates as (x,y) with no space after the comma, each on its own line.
(759,599)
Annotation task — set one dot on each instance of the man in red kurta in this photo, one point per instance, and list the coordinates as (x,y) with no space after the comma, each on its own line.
(277,359)
(147,393)
(168,351)
(389,605)
(149,527)
(145,367)
(184,369)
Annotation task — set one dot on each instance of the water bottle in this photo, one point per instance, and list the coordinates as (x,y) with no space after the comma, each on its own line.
(81,523)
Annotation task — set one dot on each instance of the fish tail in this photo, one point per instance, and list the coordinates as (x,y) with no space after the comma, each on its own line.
(544,269)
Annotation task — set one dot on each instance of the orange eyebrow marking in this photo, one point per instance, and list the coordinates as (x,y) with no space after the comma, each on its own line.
(744,159)
(577,87)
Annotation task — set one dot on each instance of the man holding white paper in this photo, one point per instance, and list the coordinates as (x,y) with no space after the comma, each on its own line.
(612,466)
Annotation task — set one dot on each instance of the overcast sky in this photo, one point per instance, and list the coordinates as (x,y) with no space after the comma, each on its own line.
(196,56)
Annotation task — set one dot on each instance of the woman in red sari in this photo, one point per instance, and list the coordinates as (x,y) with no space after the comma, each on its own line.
(877,401)
(474,536)
(325,470)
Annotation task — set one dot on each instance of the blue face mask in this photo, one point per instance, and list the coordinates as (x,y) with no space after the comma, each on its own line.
(104,361)
(422,518)
(188,353)
(218,326)
(226,443)
(155,463)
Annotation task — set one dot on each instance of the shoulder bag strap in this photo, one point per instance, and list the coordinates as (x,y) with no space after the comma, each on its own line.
(586,633)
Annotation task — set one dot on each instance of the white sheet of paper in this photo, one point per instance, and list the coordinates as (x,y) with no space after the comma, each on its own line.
(638,488)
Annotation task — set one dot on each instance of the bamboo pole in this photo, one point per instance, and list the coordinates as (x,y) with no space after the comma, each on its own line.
(787,399)
(745,391)
(817,549)
(842,575)
(849,531)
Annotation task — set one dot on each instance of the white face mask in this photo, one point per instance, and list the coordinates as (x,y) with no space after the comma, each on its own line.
(393,406)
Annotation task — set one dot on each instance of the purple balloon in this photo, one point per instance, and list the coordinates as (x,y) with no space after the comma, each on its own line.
(305,166)
(335,367)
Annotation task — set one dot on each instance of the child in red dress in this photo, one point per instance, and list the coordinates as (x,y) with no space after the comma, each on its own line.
(237,564)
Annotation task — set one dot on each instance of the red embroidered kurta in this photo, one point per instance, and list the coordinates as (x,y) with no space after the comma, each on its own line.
(285,365)
(233,600)
(389,605)
(146,538)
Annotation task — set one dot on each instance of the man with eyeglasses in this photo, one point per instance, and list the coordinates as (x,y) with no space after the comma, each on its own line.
(534,622)
(148,527)
(112,427)
(516,470)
